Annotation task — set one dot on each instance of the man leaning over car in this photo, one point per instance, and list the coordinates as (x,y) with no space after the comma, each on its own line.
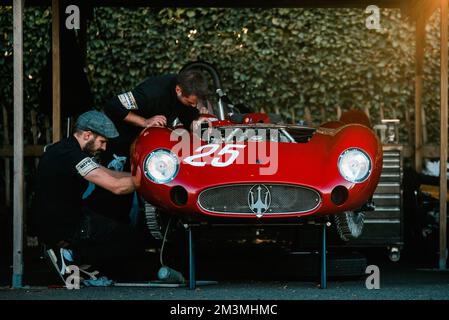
(157,101)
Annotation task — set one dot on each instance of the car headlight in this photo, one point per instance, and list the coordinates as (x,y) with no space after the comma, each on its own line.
(354,165)
(161,166)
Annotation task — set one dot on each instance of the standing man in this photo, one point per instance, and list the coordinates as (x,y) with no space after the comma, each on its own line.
(72,233)
(157,101)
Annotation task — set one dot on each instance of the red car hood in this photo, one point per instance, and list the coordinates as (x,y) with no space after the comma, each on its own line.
(311,164)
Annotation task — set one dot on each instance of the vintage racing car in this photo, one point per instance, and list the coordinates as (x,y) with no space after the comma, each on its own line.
(246,168)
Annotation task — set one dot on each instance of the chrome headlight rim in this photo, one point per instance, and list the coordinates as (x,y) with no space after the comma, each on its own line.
(368,172)
(148,174)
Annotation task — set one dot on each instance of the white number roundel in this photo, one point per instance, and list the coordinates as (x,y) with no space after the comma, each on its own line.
(212,148)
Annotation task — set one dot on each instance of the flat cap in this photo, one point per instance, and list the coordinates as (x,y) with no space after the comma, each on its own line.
(97,122)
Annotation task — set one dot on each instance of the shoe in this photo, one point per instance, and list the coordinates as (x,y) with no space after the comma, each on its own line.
(87,270)
(63,264)
(60,261)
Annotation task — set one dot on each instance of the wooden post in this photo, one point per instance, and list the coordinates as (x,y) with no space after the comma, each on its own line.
(443,134)
(424,127)
(56,78)
(18,144)
(7,161)
(420,37)
(409,126)
(381,112)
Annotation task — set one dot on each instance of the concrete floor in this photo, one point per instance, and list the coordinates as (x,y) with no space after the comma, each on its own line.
(249,278)
(407,285)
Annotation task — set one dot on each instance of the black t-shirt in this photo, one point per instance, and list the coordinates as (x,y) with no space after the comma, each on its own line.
(60,187)
(154,96)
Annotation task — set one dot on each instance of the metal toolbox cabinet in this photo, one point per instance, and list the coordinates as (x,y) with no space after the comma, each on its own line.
(384,226)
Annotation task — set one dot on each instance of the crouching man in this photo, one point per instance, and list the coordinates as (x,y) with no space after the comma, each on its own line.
(74,235)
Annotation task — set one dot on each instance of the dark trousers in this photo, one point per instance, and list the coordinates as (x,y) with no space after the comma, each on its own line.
(100,240)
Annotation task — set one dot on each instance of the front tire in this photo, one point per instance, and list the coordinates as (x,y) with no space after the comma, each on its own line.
(154,221)
(349,224)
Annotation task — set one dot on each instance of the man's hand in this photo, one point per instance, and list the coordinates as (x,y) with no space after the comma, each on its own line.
(138,121)
(156,121)
(196,124)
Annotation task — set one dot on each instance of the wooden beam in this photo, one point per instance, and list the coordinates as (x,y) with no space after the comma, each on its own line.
(420,36)
(56,75)
(443,133)
(18,144)
(29,151)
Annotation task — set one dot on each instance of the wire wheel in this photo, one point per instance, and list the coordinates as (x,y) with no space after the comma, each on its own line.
(154,221)
(349,224)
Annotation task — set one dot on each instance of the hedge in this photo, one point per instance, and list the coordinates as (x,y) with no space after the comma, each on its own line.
(270,59)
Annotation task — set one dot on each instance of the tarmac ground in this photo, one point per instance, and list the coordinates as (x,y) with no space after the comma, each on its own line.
(255,274)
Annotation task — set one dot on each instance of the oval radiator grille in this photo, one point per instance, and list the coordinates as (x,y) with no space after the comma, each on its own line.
(259,199)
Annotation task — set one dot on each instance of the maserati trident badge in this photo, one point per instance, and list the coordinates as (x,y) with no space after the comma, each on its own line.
(259,199)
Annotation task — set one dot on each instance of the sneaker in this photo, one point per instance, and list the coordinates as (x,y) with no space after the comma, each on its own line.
(89,272)
(62,263)
(60,260)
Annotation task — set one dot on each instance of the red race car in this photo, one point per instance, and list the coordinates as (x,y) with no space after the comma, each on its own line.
(248,168)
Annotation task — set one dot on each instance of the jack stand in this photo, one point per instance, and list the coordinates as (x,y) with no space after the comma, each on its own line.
(323,282)
(192,281)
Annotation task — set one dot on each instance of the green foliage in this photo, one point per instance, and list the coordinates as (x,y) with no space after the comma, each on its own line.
(285,59)
(36,39)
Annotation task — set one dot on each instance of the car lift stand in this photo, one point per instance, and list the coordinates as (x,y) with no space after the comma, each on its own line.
(192,280)
(323,280)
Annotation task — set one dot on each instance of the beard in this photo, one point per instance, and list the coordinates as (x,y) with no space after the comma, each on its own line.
(89,148)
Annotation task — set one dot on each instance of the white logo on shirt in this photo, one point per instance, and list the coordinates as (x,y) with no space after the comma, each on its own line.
(86,165)
(128,101)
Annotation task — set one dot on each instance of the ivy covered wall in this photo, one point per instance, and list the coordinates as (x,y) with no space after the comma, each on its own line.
(270,59)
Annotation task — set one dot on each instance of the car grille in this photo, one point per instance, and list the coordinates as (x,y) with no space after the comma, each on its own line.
(236,199)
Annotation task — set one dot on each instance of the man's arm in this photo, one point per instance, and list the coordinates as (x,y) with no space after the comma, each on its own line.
(117,174)
(141,122)
(117,185)
(135,119)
